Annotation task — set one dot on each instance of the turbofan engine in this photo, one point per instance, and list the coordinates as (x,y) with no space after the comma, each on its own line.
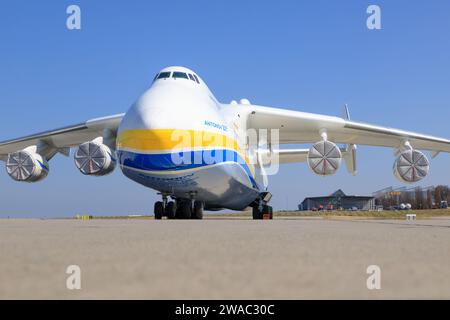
(26,166)
(95,159)
(411,166)
(324,158)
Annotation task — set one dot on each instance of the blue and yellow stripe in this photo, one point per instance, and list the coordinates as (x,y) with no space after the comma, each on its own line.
(156,150)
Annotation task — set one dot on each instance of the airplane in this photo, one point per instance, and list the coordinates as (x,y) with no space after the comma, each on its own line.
(179,140)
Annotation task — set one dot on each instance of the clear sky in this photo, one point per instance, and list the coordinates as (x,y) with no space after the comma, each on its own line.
(311,56)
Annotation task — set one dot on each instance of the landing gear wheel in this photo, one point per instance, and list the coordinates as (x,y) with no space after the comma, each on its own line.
(270,212)
(256,214)
(159,210)
(178,212)
(185,210)
(171,210)
(198,210)
(266,213)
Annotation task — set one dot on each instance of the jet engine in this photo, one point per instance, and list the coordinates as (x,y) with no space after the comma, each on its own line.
(95,159)
(324,158)
(26,166)
(411,166)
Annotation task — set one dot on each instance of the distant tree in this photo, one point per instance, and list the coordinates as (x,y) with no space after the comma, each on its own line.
(445,192)
(406,197)
(386,200)
(441,193)
(437,195)
(418,198)
(429,199)
(403,198)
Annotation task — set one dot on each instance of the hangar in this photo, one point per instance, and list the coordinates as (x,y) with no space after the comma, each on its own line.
(338,200)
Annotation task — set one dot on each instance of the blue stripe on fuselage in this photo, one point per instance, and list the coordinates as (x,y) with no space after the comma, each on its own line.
(182,160)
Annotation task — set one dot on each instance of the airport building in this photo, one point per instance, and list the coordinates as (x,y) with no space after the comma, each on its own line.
(338,200)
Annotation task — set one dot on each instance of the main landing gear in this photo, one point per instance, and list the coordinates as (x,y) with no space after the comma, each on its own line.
(179,209)
(262,211)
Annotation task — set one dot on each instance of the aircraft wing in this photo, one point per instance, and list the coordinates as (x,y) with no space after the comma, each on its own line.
(60,140)
(300,128)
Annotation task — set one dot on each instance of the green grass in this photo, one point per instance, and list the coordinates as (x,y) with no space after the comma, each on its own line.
(421,214)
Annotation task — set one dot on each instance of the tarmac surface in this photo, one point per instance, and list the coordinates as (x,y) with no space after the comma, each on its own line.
(287,258)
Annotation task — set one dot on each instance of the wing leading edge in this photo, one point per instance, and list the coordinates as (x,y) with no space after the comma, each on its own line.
(59,140)
(299,127)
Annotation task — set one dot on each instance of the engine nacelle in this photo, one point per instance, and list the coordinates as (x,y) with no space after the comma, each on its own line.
(411,166)
(26,166)
(324,158)
(94,159)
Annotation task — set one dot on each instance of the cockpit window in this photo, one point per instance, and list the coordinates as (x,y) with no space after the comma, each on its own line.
(191,77)
(177,74)
(196,79)
(156,77)
(164,75)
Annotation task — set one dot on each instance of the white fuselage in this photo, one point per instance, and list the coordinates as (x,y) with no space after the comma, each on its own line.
(178,140)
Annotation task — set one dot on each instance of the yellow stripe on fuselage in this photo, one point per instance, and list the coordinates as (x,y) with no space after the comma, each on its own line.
(177,139)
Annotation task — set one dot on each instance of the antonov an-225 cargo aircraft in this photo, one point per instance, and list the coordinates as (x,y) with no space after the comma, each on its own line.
(168,137)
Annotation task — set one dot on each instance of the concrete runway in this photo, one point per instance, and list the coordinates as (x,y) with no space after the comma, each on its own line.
(289,258)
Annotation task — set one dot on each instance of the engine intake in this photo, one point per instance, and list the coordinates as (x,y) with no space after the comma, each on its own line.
(411,166)
(324,158)
(94,159)
(26,166)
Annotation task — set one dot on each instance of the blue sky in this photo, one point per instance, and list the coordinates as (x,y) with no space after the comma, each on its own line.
(306,55)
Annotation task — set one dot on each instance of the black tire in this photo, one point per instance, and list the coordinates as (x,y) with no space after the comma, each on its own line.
(178,213)
(159,210)
(267,212)
(270,212)
(171,210)
(257,215)
(198,210)
(185,210)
